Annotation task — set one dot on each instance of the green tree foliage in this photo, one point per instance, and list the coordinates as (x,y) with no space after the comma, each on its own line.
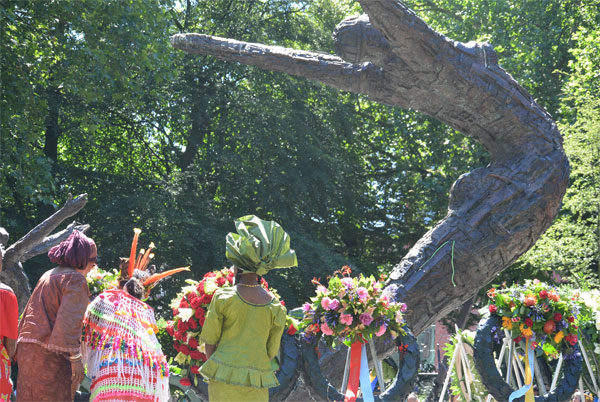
(94,99)
(571,247)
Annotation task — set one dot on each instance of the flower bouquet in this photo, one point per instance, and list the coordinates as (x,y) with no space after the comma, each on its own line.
(99,280)
(352,310)
(189,311)
(537,313)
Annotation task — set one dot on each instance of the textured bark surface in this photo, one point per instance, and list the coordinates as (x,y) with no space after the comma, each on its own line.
(495,213)
(37,241)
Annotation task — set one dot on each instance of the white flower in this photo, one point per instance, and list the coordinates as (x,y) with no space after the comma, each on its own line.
(186,313)
(598,322)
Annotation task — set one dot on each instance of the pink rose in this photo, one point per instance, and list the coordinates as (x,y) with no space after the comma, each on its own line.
(325,329)
(334,304)
(346,319)
(362,293)
(381,330)
(366,319)
(325,302)
(306,307)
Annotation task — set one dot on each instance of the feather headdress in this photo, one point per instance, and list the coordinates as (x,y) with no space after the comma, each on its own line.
(141,262)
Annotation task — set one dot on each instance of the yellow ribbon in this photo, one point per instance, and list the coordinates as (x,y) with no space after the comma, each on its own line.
(528,375)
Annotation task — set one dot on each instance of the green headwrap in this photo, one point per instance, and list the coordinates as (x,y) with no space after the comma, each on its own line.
(259,246)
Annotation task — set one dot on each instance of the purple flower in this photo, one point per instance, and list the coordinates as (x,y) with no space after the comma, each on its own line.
(366,319)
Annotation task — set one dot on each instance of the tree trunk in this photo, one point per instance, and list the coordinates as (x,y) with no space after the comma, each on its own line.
(495,213)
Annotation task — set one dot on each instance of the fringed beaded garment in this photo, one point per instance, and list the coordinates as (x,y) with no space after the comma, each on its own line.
(124,359)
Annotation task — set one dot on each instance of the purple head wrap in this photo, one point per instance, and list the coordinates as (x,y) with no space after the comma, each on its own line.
(74,252)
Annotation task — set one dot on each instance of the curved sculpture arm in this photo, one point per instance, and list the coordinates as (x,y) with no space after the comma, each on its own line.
(325,68)
(53,240)
(37,235)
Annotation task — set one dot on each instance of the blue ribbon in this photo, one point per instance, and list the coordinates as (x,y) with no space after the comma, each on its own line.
(365,380)
(522,391)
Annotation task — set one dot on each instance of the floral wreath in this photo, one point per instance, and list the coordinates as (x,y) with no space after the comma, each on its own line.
(352,310)
(535,312)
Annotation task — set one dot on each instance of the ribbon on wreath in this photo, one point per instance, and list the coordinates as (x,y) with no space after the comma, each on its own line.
(527,389)
(358,374)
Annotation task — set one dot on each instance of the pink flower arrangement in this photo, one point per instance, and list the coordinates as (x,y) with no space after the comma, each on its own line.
(352,309)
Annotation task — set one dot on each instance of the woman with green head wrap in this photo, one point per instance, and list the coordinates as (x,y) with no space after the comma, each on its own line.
(244,323)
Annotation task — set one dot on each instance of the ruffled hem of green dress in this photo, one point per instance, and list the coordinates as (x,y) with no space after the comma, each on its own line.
(243,376)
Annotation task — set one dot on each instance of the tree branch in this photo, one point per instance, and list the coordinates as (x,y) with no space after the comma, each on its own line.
(53,240)
(23,246)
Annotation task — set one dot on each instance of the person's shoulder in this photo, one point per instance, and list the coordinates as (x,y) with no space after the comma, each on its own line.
(6,288)
(277,307)
(224,293)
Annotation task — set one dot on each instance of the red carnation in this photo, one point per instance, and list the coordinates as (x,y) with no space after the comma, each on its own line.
(206,298)
(571,318)
(291,330)
(492,308)
(184,349)
(176,346)
(572,339)
(181,326)
(199,314)
(196,355)
(193,342)
(282,303)
(264,283)
(183,304)
(201,321)
(557,317)
(518,339)
(230,277)
(185,382)
(543,294)
(196,302)
(549,326)
(170,329)
(195,369)
(528,322)
(193,323)
(221,281)
(210,274)
(175,312)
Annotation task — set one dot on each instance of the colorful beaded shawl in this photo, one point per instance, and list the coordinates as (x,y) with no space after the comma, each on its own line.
(124,359)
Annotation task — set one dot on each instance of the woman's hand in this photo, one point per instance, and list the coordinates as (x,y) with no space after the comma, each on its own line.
(77,372)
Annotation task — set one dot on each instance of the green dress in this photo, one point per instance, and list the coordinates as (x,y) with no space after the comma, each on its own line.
(247,336)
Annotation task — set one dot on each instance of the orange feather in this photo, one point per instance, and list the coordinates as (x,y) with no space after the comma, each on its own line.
(131,266)
(157,277)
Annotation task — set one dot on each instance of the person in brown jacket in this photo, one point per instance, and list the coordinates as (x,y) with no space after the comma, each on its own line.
(48,346)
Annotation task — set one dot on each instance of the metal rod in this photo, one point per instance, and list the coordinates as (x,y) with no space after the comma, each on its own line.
(589,367)
(555,376)
(378,368)
(448,374)
(346,372)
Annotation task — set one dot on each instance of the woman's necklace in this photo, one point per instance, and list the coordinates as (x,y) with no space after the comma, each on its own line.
(249,286)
